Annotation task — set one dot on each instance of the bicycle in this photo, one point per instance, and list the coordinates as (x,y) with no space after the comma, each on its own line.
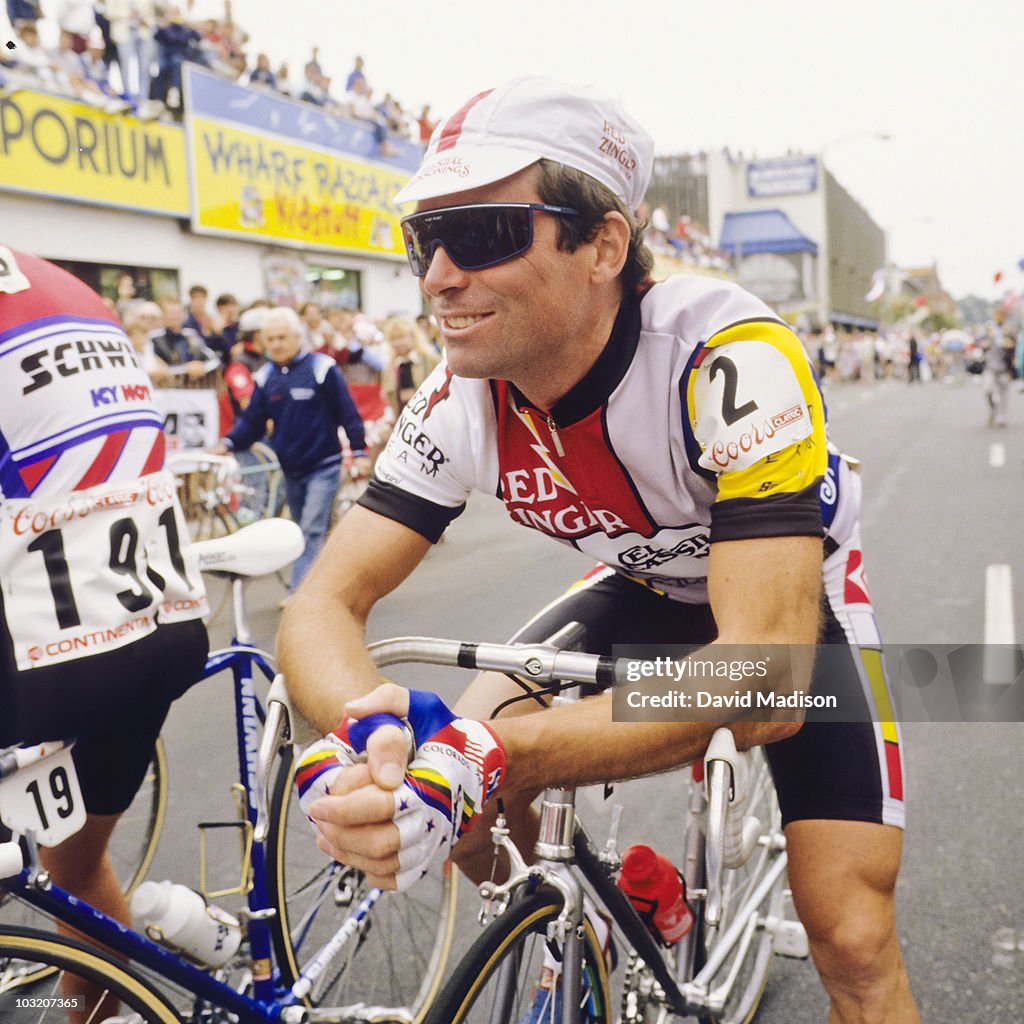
(225,492)
(311,928)
(734,865)
(222,493)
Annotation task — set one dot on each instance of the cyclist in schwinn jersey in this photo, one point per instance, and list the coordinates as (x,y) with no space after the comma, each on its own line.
(672,430)
(100,612)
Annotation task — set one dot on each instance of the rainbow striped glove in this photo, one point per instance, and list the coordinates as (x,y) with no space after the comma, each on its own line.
(458,766)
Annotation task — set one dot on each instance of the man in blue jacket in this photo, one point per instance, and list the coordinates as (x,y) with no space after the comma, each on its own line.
(304,396)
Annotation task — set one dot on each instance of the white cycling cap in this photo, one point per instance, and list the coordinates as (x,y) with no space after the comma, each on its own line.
(503,130)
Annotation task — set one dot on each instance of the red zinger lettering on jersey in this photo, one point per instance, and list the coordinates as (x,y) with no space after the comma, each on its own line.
(582,492)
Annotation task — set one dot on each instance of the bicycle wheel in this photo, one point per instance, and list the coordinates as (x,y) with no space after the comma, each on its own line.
(741,999)
(70,964)
(131,850)
(259,474)
(395,958)
(499,979)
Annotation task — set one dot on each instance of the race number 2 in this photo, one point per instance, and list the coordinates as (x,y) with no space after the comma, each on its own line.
(725,366)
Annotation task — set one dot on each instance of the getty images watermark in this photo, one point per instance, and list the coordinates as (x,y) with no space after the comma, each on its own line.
(902,682)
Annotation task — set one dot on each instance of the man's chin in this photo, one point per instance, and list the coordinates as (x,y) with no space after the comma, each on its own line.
(462,364)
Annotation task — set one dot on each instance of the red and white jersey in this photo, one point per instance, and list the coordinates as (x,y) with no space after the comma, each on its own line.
(700,421)
(91,531)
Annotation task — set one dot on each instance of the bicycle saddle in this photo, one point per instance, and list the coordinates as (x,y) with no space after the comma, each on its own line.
(254,550)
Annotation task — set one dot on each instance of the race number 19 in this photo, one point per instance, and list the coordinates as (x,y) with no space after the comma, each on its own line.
(44,798)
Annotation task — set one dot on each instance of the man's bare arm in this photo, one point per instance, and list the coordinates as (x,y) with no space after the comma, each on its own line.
(764,590)
(321,641)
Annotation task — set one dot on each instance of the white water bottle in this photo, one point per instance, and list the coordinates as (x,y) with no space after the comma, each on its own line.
(177,916)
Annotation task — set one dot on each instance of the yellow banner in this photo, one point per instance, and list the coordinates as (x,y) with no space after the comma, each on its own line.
(57,147)
(265,187)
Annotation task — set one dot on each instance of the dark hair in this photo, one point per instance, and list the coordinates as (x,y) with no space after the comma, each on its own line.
(198,289)
(226,299)
(565,186)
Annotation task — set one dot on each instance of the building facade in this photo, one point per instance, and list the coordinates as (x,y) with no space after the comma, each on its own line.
(798,239)
(253,194)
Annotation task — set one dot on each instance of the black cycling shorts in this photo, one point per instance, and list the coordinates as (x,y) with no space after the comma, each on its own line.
(113,704)
(850,771)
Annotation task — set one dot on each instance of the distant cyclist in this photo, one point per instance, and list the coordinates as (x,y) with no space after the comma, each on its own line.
(100,626)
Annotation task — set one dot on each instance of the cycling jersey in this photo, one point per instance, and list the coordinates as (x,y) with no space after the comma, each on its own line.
(700,421)
(91,531)
(100,604)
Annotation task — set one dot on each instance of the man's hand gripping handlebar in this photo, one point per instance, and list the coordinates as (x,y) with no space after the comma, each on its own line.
(398,783)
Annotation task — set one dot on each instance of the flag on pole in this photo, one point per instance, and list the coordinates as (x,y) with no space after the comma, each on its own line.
(877,288)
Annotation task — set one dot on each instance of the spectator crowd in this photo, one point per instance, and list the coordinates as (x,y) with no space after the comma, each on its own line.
(191,342)
(127,56)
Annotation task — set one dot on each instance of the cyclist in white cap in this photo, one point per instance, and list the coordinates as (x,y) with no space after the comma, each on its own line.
(675,432)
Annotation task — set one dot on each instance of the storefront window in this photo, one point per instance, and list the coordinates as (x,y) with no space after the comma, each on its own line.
(151,283)
(335,287)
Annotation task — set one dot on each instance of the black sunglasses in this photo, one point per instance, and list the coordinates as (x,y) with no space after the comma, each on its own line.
(476,236)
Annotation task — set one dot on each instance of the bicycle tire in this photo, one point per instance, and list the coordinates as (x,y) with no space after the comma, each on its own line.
(512,948)
(260,475)
(63,957)
(131,850)
(745,996)
(397,959)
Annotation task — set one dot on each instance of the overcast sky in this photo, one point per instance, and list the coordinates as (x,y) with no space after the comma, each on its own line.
(943,78)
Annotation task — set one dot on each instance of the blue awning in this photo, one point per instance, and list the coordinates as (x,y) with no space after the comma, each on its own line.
(757,231)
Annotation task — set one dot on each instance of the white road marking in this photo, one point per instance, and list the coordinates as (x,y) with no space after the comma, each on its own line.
(997,455)
(1000,656)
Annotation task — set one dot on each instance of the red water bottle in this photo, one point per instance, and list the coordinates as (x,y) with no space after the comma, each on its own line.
(658,893)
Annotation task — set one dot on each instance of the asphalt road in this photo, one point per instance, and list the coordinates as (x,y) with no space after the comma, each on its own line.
(936,513)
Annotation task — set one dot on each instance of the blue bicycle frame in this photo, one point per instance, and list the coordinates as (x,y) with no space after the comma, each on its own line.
(269,998)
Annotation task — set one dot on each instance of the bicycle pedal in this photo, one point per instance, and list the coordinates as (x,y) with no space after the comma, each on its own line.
(791,940)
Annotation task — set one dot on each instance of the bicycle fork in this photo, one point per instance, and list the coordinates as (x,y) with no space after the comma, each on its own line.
(555,853)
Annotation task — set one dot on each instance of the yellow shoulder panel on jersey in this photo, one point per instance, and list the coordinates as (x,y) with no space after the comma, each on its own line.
(756,412)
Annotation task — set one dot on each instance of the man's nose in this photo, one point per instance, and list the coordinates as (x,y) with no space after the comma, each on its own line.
(443,274)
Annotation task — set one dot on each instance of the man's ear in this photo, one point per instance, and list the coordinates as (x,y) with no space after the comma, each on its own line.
(611,248)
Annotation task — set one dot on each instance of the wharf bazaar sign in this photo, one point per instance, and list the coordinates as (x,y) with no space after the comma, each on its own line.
(57,147)
(281,176)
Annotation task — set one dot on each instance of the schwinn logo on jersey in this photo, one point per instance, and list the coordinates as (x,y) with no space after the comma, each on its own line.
(64,359)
